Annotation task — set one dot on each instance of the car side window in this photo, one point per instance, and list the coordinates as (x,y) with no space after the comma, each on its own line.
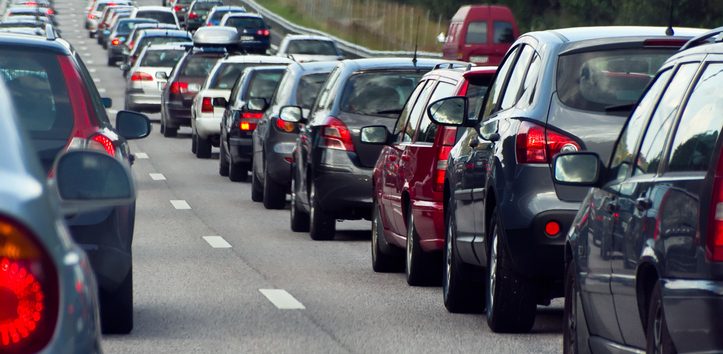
(493,95)
(235,91)
(96,101)
(529,86)
(404,116)
(416,115)
(624,151)
(652,147)
(512,92)
(325,98)
(700,125)
(427,129)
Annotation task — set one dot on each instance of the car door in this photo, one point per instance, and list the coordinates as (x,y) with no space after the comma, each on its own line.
(633,206)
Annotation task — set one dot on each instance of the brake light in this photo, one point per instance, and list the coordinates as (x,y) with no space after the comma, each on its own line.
(714,240)
(440,170)
(177,8)
(263,32)
(28,291)
(92,17)
(206,105)
(535,145)
(50,12)
(103,143)
(115,42)
(335,135)
(141,76)
(284,126)
(252,115)
(192,16)
(179,87)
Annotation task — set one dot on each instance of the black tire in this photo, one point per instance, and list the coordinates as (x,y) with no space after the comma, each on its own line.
(194,143)
(116,309)
(385,257)
(163,125)
(299,218)
(574,333)
(511,299)
(111,62)
(238,172)
(274,193)
(91,34)
(462,284)
(658,338)
(203,147)
(322,226)
(223,165)
(257,189)
(169,132)
(421,268)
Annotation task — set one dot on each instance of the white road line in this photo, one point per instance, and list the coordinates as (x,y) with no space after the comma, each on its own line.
(112,111)
(157,176)
(101,90)
(91,70)
(141,155)
(96,80)
(84,49)
(180,204)
(282,299)
(217,242)
(89,62)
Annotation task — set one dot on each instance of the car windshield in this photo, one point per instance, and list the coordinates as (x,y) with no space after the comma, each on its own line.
(378,93)
(162,58)
(245,22)
(263,84)
(199,65)
(596,80)
(312,46)
(309,86)
(160,40)
(160,16)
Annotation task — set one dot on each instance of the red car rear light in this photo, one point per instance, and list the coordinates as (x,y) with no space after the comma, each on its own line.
(115,42)
(335,135)
(440,170)
(179,87)
(50,12)
(535,145)
(92,17)
(714,246)
(248,120)
(29,291)
(141,76)
(177,8)
(192,16)
(103,143)
(206,105)
(252,115)
(263,32)
(284,126)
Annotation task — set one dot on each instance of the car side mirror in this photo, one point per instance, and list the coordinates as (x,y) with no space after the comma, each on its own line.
(577,169)
(88,180)
(257,104)
(161,75)
(375,134)
(291,114)
(219,102)
(125,67)
(107,102)
(449,111)
(132,125)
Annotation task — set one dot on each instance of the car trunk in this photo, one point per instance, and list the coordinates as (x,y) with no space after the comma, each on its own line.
(367,153)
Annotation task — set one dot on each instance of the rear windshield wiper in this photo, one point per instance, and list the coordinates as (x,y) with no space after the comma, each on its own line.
(627,107)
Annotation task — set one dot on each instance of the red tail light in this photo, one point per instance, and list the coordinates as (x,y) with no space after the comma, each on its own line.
(192,16)
(92,17)
(263,32)
(141,76)
(335,135)
(177,8)
(102,142)
(28,291)
(179,87)
(440,170)
(534,146)
(248,120)
(50,12)
(206,105)
(714,247)
(284,126)
(252,115)
(115,42)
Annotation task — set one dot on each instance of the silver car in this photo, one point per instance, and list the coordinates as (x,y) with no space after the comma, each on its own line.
(148,76)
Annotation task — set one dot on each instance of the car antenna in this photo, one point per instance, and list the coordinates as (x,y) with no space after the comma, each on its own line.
(669,31)
(416,44)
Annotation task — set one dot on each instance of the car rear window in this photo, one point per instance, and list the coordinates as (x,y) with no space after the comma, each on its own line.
(127,26)
(503,32)
(378,93)
(162,58)
(476,33)
(219,14)
(199,65)
(245,22)
(476,91)
(311,46)
(309,87)
(203,8)
(227,74)
(596,80)
(160,16)
(160,40)
(263,84)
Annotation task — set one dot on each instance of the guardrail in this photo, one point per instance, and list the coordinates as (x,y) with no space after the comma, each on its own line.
(351,50)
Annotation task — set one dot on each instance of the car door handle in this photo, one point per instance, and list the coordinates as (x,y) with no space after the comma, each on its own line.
(643,204)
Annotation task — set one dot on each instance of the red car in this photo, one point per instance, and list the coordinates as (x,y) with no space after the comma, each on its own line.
(409,176)
(480,34)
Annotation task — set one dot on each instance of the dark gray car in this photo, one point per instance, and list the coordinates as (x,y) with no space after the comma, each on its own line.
(274,138)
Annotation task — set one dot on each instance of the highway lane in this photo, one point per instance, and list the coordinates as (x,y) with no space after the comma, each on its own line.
(193,297)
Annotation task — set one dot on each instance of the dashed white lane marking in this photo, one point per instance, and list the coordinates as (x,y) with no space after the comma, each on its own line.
(101,90)
(89,62)
(157,176)
(217,242)
(91,70)
(96,80)
(141,155)
(282,299)
(84,48)
(180,204)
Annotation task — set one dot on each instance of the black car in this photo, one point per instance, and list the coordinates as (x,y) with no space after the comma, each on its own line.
(555,91)
(248,100)
(255,34)
(645,253)
(331,169)
(274,138)
(118,35)
(198,11)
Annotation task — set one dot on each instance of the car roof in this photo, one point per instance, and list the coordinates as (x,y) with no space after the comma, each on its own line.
(705,48)
(296,37)
(155,32)
(391,63)
(153,8)
(229,7)
(252,58)
(58,45)
(170,46)
(461,72)
(316,65)
(243,14)
(578,34)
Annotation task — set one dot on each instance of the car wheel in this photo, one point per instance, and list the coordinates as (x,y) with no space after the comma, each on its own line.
(274,193)
(574,332)
(257,189)
(169,132)
(511,302)
(116,309)
(91,35)
(422,268)
(299,218)
(462,286)
(322,225)
(223,165)
(238,172)
(385,257)
(203,147)
(194,143)
(111,62)
(658,336)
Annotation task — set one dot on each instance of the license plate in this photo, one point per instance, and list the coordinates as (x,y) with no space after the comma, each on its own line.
(247,38)
(479,58)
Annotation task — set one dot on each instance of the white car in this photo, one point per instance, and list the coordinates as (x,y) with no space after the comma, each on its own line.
(205,116)
(96,10)
(305,48)
(159,13)
(148,76)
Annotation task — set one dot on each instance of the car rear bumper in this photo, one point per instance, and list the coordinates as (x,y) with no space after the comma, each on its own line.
(278,163)
(178,115)
(208,126)
(240,149)
(144,99)
(429,223)
(694,314)
(345,192)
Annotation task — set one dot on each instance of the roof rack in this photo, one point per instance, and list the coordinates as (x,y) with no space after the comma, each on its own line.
(454,65)
(49,32)
(704,38)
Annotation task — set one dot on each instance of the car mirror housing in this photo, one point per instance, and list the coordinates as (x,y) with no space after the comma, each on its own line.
(107,102)
(449,111)
(132,125)
(161,75)
(257,104)
(292,114)
(125,67)
(374,134)
(577,169)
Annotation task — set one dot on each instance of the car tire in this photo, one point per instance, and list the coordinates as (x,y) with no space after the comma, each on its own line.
(462,284)
(511,299)
(658,338)
(322,226)
(385,257)
(574,334)
(257,189)
(116,309)
(238,172)
(91,35)
(169,132)
(223,165)
(421,268)
(111,62)
(203,147)
(274,194)
(194,143)
(299,218)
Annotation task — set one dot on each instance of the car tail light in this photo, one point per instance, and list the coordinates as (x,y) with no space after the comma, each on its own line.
(179,87)
(440,170)
(335,135)
(263,32)
(50,12)
(284,126)
(552,229)
(714,248)
(535,145)
(206,105)
(141,76)
(192,16)
(29,291)
(102,143)
(115,42)
(252,115)
(177,8)
(248,120)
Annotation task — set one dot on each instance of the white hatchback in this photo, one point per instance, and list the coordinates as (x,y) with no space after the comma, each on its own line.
(147,78)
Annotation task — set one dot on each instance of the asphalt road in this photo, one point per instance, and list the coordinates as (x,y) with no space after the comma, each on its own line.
(192,297)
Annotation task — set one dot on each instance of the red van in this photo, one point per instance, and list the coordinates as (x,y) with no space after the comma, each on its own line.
(480,34)
(408,177)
